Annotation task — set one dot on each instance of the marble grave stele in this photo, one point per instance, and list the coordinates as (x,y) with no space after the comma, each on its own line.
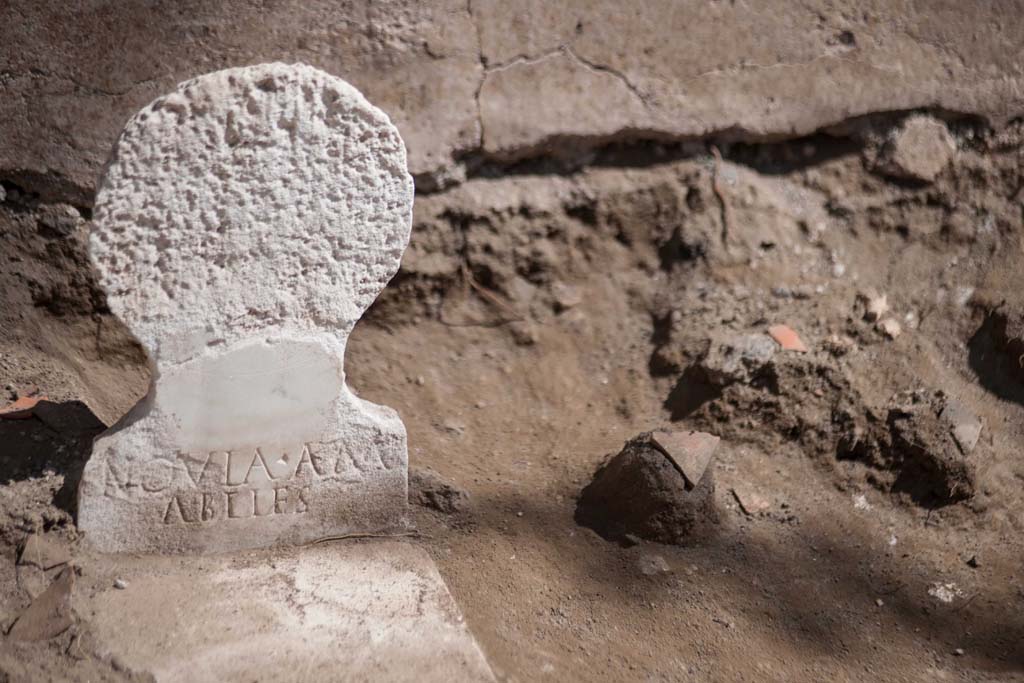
(243,225)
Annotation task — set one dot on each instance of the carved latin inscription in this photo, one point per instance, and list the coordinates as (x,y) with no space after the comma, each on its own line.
(237,484)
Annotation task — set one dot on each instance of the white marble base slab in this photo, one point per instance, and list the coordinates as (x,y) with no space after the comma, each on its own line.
(347,611)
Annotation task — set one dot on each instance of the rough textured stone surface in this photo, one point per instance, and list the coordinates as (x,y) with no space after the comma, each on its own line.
(918,150)
(641,492)
(355,612)
(736,358)
(244,224)
(452,73)
(272,196)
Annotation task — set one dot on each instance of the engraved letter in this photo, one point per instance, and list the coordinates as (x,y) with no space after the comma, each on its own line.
(183,512)
(238,467)
(205,469)
(116,479)
(310,464)
(281,500)
(262,474)
(169,516)
(194,466)
(239,504)
(303,503)
(157,475)
(263,502)
(209,507)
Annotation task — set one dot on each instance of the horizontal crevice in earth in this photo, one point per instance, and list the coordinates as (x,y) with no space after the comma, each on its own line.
(563,153)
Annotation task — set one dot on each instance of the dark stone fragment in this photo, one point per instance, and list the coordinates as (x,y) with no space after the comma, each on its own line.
(429,489)
(640,492)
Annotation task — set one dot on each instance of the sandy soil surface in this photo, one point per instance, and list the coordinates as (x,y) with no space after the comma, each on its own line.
(543,318)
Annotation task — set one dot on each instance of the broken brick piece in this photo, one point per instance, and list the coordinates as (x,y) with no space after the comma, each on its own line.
(20,409)
(689,451)
(50,614)
(787,338)
(44,552)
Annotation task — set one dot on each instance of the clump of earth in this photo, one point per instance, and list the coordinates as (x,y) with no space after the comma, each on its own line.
(640,493)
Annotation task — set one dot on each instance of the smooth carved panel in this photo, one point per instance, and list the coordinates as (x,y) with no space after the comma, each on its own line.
(203,464)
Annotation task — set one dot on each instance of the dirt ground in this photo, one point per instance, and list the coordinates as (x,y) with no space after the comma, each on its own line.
(544,317)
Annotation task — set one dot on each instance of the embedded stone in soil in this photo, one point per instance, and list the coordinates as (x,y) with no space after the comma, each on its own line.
(641,492)
(918,150)
(932,439)
(429,489)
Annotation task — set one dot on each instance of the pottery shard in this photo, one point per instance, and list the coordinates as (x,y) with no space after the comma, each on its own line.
(244,223)
(50,614)
(787,338)
(21,409)
(43,552)
(690,452)
(963,424)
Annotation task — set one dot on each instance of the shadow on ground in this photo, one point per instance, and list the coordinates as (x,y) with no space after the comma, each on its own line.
(806,586)
(998,359)
(56,438)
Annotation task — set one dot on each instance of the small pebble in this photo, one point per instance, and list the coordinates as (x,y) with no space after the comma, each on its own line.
(876,306)
(889,327)
(650,565)
(959,652)
(630,540)
(120,584)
